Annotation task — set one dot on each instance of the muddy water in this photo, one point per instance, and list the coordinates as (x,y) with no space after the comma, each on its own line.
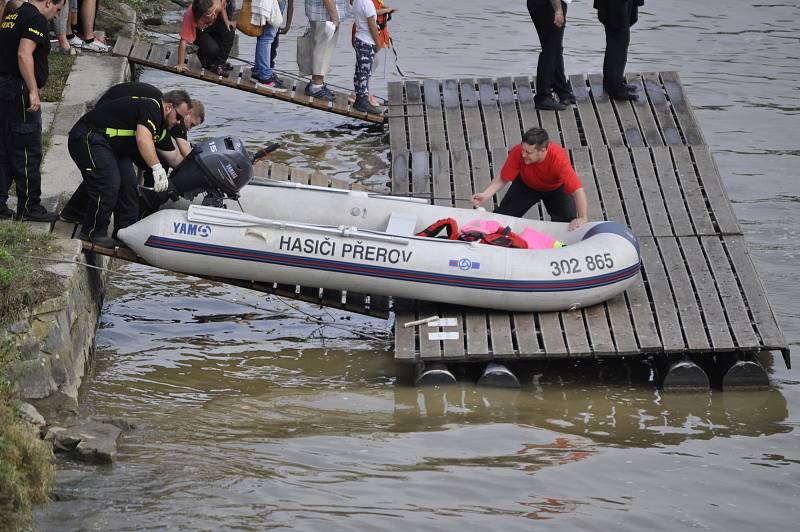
(256,413)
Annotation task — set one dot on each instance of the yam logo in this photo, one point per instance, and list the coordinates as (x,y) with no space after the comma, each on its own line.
(183,228)
(464,264)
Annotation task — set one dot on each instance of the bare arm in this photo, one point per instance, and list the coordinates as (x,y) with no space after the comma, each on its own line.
(330,6)
(25,60)
(582,208)
(481,197)
(144,141)
(231,25)
(373,30)
(289,15)
(173,157)
(559,19)
(183,147)
(181,66)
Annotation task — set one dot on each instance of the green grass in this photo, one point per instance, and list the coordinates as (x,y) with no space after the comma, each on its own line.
(60,67)
(21,283)
(26,463)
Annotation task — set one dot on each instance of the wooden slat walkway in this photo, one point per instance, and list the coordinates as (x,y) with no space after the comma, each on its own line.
(643,163)
(163,57)
(376,306)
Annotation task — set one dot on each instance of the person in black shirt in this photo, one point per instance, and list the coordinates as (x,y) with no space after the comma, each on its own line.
(617,17)
(24,46)
(104,142)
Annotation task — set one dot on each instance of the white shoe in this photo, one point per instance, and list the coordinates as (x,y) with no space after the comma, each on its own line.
(76,42)
(96,46)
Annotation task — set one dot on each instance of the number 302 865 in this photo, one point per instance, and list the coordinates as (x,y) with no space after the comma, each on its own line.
(574,265)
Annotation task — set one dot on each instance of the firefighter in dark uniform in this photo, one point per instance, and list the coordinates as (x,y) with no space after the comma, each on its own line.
(24,46)
(103,143)
(168,155)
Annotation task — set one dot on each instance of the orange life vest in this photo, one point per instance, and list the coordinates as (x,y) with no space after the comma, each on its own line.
(382,22)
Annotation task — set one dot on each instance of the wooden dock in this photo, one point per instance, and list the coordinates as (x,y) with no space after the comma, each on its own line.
(163,57)
(643,163)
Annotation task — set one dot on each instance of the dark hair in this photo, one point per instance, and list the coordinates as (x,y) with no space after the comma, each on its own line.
(200,8)
(536,136)
(177,97)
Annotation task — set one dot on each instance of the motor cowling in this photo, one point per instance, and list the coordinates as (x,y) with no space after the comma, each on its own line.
(221,164)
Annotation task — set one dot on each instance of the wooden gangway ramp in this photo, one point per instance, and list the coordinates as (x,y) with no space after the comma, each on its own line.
(165,57)
(376,306)
(643,163)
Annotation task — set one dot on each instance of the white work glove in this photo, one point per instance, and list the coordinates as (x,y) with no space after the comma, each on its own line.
(159,178)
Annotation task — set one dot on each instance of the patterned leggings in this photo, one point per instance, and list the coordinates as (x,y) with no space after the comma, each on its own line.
(365,54)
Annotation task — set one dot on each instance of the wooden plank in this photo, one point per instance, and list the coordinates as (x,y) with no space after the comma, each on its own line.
(319,179)
(729,292)
(714,190)
(405,338)
(420,174)
(583,167)
(605,112)
(499,156)
(683,111)
(297,175)
(631,132)
(651,191)
(398,140)
(663,114)
(400,173)
(760,309)
(428,349)
(508,111)
(416,118)
(434,115)
(524,325)
(690,186)
(452,116)
(689,313)
(140,51)
(172,58)
(600,339)
(462,182)
(472,116)
(527,108)
(122,46)
(575,332)
(712,311)
(279,172)
(671,191)
(481,171)
(644,115)
(568,125)
(158,54)
(666,313)
(607,185)
(342,103)
(299,94)
(477,333)
(588,119)
(491,114)
(500,334)
(552,334)
(631,196)
(246,80)
(644,320)
(440,175)
(453,349)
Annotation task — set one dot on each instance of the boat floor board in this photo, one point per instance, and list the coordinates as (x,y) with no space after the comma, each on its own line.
(643,163)
(163,57)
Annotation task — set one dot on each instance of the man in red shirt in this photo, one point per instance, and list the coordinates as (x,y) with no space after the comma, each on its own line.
(546,175)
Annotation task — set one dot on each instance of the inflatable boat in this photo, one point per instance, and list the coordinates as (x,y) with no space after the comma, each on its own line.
(339,239)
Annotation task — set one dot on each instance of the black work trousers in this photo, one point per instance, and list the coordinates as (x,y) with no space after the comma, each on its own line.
(214,44)
(520,198)
(20,145)
(109,183)
(550,75)
(617,20)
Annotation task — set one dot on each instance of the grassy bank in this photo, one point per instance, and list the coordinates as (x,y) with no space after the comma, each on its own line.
(26,462)
(60,67)
(22,283)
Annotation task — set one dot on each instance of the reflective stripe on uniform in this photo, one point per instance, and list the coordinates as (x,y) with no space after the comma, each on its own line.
(111,132)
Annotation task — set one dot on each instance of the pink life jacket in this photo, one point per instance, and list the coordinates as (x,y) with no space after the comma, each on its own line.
(534,239)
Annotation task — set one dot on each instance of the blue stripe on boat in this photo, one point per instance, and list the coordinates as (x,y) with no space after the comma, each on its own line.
(506,285)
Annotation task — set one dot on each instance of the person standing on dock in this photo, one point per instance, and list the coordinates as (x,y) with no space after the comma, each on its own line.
(545,174)
(24,69)
(104,142)
(322,15)
(550,19)
(267,44)
(367,41)
(206,24)
(617,17)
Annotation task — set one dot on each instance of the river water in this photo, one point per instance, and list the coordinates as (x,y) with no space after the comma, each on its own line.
(259,413)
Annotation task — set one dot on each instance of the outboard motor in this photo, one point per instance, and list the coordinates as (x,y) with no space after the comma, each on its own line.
(219,167)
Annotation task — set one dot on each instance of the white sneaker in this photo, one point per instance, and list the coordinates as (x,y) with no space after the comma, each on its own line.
(76,42)
(96,46)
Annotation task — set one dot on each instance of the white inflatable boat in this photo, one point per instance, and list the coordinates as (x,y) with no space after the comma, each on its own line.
(364,242)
